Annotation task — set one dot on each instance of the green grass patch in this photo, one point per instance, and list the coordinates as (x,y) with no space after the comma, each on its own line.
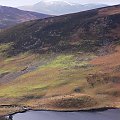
(4,48)
(61,61)
(58,70)
(67,61)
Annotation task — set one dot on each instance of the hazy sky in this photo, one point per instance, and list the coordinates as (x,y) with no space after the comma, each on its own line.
(30,2)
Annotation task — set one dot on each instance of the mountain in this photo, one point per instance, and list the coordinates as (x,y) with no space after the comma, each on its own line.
(63,63)
(60,7)
(91,29)
(11,16)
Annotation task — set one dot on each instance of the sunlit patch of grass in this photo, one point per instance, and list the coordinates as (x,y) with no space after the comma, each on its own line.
(61,61)
(27,83)
(19,90)
(4,47)
(56,75)
(69,60)
(16,63)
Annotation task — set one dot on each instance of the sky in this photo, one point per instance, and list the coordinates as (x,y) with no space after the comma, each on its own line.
(15,3)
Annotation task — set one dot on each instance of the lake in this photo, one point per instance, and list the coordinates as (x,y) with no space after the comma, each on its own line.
(113,114)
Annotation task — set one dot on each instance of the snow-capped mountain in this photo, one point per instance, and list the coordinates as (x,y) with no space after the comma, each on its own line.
(60,7)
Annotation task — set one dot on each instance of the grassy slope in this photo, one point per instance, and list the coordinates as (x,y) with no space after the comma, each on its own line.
(59,75)
(61,82)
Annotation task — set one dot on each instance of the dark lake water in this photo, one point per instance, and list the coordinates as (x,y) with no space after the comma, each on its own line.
(47,115)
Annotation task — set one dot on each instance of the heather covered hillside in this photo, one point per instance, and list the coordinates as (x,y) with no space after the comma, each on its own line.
(64,63)
(85,31)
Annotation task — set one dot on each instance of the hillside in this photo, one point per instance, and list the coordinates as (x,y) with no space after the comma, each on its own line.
(60,7)
(64,63)
(11,16)
(85,31)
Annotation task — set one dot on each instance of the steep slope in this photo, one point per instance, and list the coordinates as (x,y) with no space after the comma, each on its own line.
(11,16)
(60,7)
(85,31)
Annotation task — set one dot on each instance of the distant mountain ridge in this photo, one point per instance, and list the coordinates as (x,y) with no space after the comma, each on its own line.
(11,16)
(60,7)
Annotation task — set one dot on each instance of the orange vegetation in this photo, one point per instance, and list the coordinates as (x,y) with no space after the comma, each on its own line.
(109,62)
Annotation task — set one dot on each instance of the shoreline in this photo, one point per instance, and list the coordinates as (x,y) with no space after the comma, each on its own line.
(81,110)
